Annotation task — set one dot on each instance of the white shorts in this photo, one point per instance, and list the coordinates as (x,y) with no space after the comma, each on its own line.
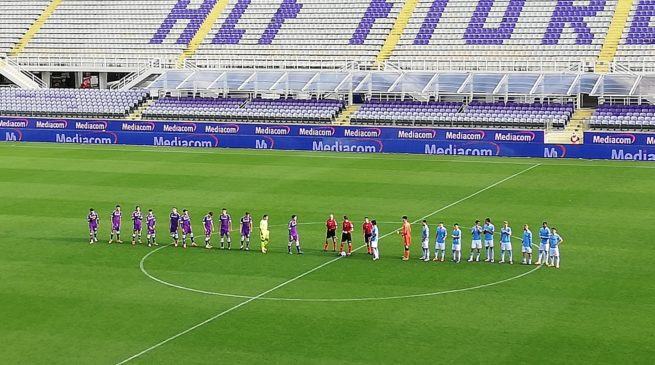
(488,243)
(554,252)
(374,244)
(425,244)
(507,246)
(440,246)
(543,247)
(457,247)
(476,244)
(526,249)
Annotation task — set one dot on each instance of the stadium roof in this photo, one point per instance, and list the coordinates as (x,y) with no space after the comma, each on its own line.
(396,82)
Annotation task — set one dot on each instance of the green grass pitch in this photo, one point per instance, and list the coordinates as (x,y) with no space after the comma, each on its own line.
(66,302)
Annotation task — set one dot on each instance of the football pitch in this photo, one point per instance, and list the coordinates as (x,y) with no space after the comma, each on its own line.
(64,301)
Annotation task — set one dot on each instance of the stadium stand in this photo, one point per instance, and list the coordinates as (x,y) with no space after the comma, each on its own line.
(513,115)
(15,19)
(624,117)
(256,110)
(69,102)
(430,33)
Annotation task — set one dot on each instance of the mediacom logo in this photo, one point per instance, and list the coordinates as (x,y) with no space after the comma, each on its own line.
(273,130)
(316,131)
(519,136)
(348,145)
(614,139)
(179,127)
(194,140)
(417,134)
(362,132)
(87,138)
(51,124)
(472,135)
(222,128)
(91,125)
(138,126)
(14,123)
(465,149)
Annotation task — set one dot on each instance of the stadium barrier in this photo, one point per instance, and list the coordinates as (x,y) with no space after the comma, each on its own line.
(429,141)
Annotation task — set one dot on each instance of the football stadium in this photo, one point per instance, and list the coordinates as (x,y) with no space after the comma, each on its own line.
(327,182)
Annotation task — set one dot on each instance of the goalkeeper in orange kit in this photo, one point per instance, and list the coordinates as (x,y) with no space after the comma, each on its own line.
(406,233)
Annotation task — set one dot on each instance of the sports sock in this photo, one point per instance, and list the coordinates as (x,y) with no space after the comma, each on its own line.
(289,247)
(350,248)
(341,248)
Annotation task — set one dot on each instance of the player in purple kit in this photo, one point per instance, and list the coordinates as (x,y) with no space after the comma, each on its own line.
(151,224)
(246,229)
(93,220)
(116,225)
(137,218)
(186,228)
(226,227)
(208,223)
(293,235)
(175,225)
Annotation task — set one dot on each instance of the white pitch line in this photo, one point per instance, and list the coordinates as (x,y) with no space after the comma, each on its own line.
(318,300)
(157,345)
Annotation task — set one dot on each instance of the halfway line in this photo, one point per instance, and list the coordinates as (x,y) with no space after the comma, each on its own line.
(237,306)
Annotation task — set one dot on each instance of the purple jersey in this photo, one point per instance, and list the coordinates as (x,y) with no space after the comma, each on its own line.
(186,224)
(151,221)
(175,222)
(293,229)
(246,225)
(137,218)
(226,220)
(208,223)
(92,218)
(116,220)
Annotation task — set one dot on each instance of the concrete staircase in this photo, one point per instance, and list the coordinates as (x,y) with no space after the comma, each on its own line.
(34,28)
(346,114)
(576,126)
(202,33)
(396,31)
(137,114)
(614,34)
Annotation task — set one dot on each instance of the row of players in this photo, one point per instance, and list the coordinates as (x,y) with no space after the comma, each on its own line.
(550,240)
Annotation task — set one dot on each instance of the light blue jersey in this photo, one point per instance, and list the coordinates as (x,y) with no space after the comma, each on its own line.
(441,234)
(374,234)
(489,230)
(477,233)
(457,236)
(554,240)
(425,234)
(527,239)
(544,235)
(506,235)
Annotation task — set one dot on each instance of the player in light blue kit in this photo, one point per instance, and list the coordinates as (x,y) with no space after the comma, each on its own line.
(375,236)
(526,245)
(544,236)
(506,243)
(476,242)
(488,229)
(554,241)
(440,243)
(457,243)
(425,241)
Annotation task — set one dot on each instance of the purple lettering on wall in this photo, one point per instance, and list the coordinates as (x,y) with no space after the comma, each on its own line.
(181,11)
(228,33)
(377,9)
(430,22)
(573,15)
(289,9)
(641,31)
(476,33)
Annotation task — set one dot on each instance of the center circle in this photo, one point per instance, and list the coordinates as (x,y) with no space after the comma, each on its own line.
(335,299)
